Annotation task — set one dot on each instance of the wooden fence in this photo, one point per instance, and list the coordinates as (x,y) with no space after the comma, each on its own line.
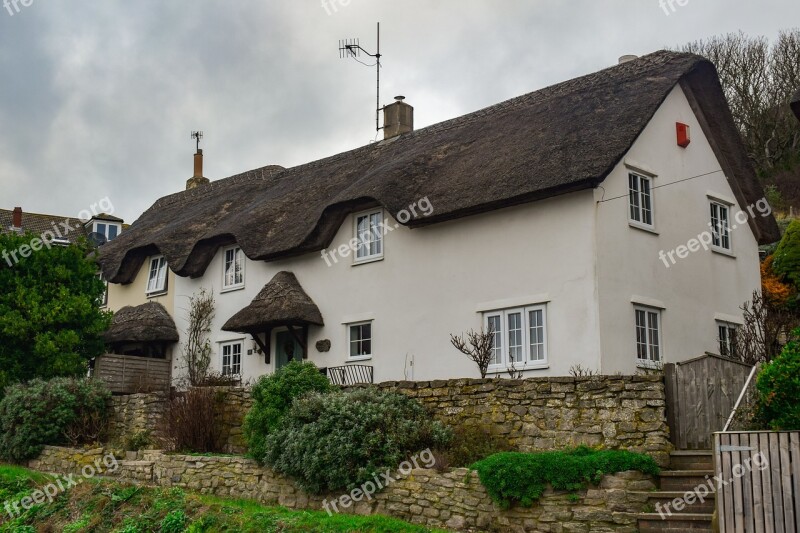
(759,489)
(700,396)
(128,374)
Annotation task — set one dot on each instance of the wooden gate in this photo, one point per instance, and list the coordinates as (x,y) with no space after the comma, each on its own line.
(700,396)
(758,481)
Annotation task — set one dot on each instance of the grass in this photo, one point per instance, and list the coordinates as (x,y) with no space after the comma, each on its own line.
(106,506)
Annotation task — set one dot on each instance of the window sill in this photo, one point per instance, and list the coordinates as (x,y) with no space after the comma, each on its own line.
(723,251)
(642,227)
(233,288)
(157,294)
(366,260)
(525,368)
(358,359)
(649,365)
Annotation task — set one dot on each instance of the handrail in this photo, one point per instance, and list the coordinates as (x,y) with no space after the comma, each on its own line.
(741,395)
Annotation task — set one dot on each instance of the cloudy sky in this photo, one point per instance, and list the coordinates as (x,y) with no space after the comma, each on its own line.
(98,99)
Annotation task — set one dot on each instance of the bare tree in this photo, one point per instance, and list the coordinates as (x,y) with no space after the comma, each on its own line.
(197,349)
(758,81)
(767,327)
(478,346)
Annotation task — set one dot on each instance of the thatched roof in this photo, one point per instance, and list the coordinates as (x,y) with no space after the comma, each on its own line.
(282,302)
(796,104)
(557,140)
(149,322)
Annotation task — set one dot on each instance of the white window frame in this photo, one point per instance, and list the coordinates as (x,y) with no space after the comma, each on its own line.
(232,363)
(107,225)
(350,340)
(720,238)
(648,345)
(638,196)
(501,361)
(376,234)
(104,298)
(234,286)
(159,287)
(725,340)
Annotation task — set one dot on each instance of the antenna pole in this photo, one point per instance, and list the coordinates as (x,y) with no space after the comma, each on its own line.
(378,67)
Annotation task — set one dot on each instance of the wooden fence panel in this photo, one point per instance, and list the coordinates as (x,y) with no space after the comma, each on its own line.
(758,487)
(127,374)
(700,396)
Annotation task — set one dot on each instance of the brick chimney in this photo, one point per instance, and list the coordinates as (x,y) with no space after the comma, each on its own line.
(197,180)
(16,218)
(398,118)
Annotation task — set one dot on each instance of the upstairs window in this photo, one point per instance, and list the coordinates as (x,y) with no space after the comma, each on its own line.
(640,199)
(233,269)
(648,335)
(369,236)
(727,338)
(157,280)
(103,301)
(110,231)
(720,227)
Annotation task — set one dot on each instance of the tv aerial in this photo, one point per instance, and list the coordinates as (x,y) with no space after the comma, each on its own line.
(351,48)
(197,135)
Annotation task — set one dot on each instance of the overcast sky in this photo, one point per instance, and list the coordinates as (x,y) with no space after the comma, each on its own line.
(98,99)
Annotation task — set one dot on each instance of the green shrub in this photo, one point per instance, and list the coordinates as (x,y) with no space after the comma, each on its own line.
(56,412)
(778,386)
(138,441)
(341,439)
(470,444)
(787,254)
(174,522)
(512,478)
(272,397)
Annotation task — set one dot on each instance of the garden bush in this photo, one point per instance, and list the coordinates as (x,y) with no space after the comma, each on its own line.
(273,395)
(778,386)
(56,412)
(190,423)
(512,478)
(338,440)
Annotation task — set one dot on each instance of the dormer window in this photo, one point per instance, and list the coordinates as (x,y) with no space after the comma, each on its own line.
(107,229)
(369,236)
(233,269)
(157,280)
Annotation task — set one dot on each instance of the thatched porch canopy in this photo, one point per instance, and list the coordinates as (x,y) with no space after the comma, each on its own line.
(282,302)
(147,323)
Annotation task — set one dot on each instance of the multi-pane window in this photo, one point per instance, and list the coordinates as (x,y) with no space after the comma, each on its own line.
(110,231)
(232,359)
(157,279)
(360,339)
(640,199)
(720,228)
(233,271)
(369,235)
(648,335)
(103,300)
(727,338)
(520,336)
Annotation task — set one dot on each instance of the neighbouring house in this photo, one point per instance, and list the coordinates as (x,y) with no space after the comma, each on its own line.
(611,221)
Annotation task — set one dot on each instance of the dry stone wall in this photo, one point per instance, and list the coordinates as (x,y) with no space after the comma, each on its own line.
(454,500)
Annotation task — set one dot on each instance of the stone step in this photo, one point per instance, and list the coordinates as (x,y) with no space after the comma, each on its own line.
(691,460)
(683,480)
(692,523)
(664,501)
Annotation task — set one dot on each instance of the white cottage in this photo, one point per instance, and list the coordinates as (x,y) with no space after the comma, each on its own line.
(611,221)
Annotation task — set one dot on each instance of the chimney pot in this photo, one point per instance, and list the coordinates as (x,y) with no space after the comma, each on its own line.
(16,218)
(398,118)
(197,180)
(627,57)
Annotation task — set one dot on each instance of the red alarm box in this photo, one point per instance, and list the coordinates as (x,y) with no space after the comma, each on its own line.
(684,138)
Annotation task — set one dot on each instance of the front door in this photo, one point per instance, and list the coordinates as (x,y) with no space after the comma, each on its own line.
(286,349)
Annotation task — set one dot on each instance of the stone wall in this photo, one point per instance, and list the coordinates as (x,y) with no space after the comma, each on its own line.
(455,500)
(136,413)
(547,413)
(551,413)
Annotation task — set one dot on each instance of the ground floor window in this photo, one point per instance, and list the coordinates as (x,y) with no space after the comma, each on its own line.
(520,336)
(232,359)
(726,337)
(648,335)
(360,339)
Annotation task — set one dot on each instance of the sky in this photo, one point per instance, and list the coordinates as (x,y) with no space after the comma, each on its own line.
(98,99)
